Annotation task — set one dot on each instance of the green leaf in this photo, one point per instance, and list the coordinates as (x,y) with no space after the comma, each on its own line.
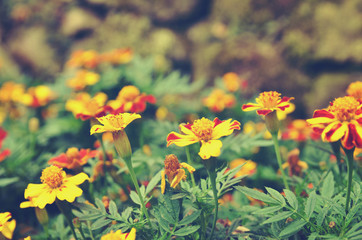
(279,217)
(161,221)
(267,210)
(256,194)
(165,214)
(313,236)
(7,181)
(352,212)
(292,228)
(153,182)
(275,194)
(135,198)
(113,209)
(322,215)
(328,186)
(310,205)
(190,218)
(186,230)
(100,222)
(354,228)
(291,198)
(100,205)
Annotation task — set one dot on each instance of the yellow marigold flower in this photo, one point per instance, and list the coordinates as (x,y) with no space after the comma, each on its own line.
(118,235)
(82,79)
(206,132)
(231,81)
(87,59)
(218,100)
(342,120)
(174,172)
(11,92)
(268,102)
(55,184)
(248,169)
(118,56)
(7,227)
(355,90)
(38,96)
(85,107)
(114,123)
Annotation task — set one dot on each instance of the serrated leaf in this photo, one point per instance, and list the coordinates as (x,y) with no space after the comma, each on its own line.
(292,228)
(352,212)
(267,210)
(100,205)
(165,214)
(275,194)
(113,209)
(321,216)
(279,217)
(313,236)
(310,205)
(153,182)
(135,198)
(161,221)
(190,218)
(256,194)
(328,186)
(291,198)
(186,231)
(101,222)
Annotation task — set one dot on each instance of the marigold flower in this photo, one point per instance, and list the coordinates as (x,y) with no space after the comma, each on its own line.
(233,82)
(118,56)
(37,96)
(299,130)
(114,123)
(82,79)
(218,100)
(119,235)
(6,152)
(85,107)
(355,90)
(248,169)
(342,120)
(294,164)
(7,227)
(87,59)
(268,102)
(11,92)
(174,172)
(206,132)
(55,184)
(130,99)
(73,158)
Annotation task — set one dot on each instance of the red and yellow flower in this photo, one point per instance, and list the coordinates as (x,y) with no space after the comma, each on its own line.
(118,56)
(85,107)
(11,92)
(118,235)
(206,132)
(299,130)
(233,82)
(73,158)
(268,102)
(114,123)
(218,100)
(342,120)
(355,90)
(6,152)
(37,96)
(86,59)
(7,227)
(174,172)
(55,185)
(82,79)
(248,169)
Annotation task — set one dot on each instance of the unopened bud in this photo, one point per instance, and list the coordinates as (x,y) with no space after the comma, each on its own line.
(42,215)
(122,145)
(272,122)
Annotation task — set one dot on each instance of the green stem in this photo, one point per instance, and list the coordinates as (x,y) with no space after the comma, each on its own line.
(90,230)
(349,154)
(66,213)
(279,158)
(135,183)
(189,161)
(210,165)
(81,232)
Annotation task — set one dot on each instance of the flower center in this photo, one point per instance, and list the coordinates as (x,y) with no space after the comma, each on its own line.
(203,128)
(355,90)
(53,176)
(268,99)
(171,165)
(344,108)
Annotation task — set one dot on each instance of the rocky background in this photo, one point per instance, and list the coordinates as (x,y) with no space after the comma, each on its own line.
(309,49)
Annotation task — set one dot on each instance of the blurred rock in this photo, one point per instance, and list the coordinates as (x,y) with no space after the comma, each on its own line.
(78,20)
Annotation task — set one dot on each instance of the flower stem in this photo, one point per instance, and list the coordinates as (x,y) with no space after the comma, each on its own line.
(135,183)
(65,210)
(349,154)
(279,158)
(189,161)
(210,165)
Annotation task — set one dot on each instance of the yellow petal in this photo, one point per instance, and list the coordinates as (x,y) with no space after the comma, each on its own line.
(34,190)
(336,135)
(8,229)
(69,193)
(210,149)
(188,167)
(163,182)
(77,179)
(97,129)
(225,128)
(47,197)
(320,120)
(177,179)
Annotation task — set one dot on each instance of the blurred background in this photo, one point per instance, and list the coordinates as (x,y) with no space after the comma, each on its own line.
(309,49)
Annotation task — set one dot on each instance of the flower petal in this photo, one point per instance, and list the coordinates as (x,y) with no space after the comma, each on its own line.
(69,192)
(251,107)
(188,167)
(163,182)
(180,140)
(334,131)
(210,148)
(97,129)
(264,111)
(177,179)
(46,197)
(347,140)
(77,179)
(224,128)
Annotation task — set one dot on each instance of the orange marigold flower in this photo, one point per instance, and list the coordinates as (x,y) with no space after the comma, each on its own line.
(355,90)
(85,107)
(119,235)
(38,96)
(118,56)
(294,164)
(55,184)
(268,102)
(233,82)
(130,99)
(7,227)
(299,130)
(87,59)
(206,132)
(174,172)
(248,169)
(82,79)
(73,158)
(11,92)
(218,100)
(342,120)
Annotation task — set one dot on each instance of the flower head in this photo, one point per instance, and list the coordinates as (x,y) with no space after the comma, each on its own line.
(87,59)
(268,102)
(248,169)
(55,184)
(85,107)
(206,132)
(38,96)
(233,82)
(174,172)
(11,92)
(294,164)
(82,79)
(118,56)
(355,90)
(299,130)
(114,123)
(218,100)
(118,235)
(7,227)
(73,158)
(342,120)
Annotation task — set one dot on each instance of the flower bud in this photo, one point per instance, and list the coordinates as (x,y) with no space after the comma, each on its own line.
(122,144)
(42,215)
(272,122)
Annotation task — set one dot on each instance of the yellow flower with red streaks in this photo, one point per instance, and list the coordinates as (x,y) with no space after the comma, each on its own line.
(206,132)
(249,167)
(73,158)
(113,123)
(355,90)
(82,79)
(233,82)
(84,106)
(218,100)
(11,92)
(130,99)
(7,227)
(55,185)
(86,59)
(118,235)
(342,120)
(118,56)
(268,102)
(38,96)
(174,172)
(299,130)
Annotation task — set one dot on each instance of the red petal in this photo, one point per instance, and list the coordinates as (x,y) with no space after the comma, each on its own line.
(263,112)
(283,107)
(330,133)
(217,122)
(285,99)
(347,140)
(245,106)
(170,138)
(356,137)
(322,113)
